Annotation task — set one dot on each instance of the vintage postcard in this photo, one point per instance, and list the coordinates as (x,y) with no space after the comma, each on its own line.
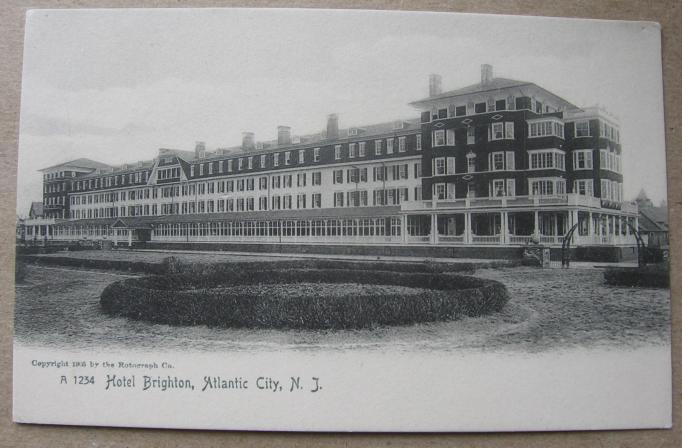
(335,220)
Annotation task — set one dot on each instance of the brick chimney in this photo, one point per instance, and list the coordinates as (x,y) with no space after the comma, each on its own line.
(199,149)
(435,84)
(486,73)
(283,135)
(332,127)
(248,141)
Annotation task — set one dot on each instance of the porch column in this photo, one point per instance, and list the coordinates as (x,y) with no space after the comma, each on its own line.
(504,227)
(536,228)
(130,237)
(574,220)
(115,237)
(467,228)
(434,228)
(403,228)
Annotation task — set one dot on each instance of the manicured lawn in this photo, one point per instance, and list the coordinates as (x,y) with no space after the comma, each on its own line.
(549,309)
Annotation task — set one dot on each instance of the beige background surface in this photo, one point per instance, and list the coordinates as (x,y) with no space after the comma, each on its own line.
(667,12)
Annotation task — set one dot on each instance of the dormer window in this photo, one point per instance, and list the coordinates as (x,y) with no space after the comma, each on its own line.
(353,131)
(398,124)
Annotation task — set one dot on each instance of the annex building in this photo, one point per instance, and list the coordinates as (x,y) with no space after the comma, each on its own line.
(499,163)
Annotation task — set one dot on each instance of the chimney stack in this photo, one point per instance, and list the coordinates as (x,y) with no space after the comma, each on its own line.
(199,149)
(248,141)
(332,127)
(283,135)
(435,85)
(486,73)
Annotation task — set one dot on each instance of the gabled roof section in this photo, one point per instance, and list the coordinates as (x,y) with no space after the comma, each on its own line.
(653,219)
(79,163)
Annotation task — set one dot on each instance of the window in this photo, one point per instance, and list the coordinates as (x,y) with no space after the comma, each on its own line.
(352,148)
(497,161)
(263,183)
(501,105)
(317,178)
(510,161)
(450,137)
(287,180)
(316,200)
(220,166)
(419,142)
(471,135)
(316,155)
(442,113)
(460,111)
(499,131)
(480,108)
(338,199)
(263,203)
(439,166)
(402,147)
(417,170)
(403,170)
(451,165)
(300,200)
(287,158)
(337,152)
(471,163)
(582,159)
(439,192)
(582,128)
(250,163)
(362,152)
(498,187)
(377,147)
(545,128)
(439,138)
(543,159)
(338,176)
(301,156)
(229,165)
(191,173)
(511,187)
(389,146)
(301,179)
(546,187)
(583,187)
(262,161)
(275,159)
(240,164)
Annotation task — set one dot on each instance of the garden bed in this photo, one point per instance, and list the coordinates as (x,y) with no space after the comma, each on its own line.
(326,295)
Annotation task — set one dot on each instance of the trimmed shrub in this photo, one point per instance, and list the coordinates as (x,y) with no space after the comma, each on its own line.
(650,276)
(217,298)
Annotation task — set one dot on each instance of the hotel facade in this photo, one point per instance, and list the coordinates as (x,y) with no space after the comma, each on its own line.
(501,163)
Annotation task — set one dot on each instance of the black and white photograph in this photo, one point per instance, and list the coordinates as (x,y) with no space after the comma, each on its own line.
(341,220)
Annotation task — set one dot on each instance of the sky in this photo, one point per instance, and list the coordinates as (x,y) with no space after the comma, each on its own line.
(116,85)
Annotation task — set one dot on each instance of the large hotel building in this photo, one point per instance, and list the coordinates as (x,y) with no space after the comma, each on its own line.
(499,163)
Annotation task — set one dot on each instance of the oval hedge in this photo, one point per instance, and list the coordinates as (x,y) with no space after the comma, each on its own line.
(217,298)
